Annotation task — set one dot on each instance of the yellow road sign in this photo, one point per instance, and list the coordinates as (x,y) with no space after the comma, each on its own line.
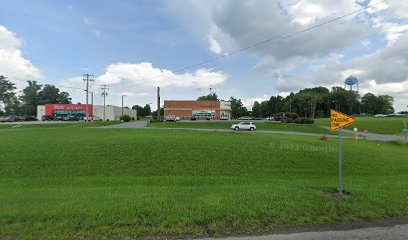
(339,120)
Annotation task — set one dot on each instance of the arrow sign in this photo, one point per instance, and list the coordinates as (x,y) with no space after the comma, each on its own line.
(339,120)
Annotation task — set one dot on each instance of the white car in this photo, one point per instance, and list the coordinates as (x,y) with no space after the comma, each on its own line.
(244,126)
(224,118)
(379,115)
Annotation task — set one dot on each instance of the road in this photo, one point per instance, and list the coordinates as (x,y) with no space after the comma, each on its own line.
(369,136)
(135,124)
(374,136)
(398,232)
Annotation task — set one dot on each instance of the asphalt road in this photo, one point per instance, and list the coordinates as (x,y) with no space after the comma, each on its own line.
(398,232)
(135,124)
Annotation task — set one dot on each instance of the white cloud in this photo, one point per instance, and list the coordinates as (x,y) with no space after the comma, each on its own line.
(144,73)
(12,62)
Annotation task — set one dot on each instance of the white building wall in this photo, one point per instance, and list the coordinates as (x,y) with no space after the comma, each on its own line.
(40,112)
(113,112)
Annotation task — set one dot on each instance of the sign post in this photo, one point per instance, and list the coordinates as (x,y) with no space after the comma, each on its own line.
(339,120)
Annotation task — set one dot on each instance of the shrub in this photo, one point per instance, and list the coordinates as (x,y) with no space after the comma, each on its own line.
(304,121)
(125,118)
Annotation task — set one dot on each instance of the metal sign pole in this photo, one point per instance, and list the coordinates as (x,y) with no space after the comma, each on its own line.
(340,167)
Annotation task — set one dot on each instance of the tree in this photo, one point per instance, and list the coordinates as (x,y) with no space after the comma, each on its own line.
(209,97)
(139,109)
(256,109)
(50,94)
(237,107)
(7,94)
(30,98)
(372,104)
(154,113)
(147,110)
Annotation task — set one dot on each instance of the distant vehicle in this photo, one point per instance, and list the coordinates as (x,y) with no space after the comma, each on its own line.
(170,118)
(4,119)
(29,118)
(15,119)
(244,118)
(395,115)
(280,119)
(270,118)
(379,115)
(177,119)
(70,118)
(193,118)
(224,118)
(94,118)
(244,126)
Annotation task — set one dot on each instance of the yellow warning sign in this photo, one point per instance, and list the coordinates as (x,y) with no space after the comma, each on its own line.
(339,120)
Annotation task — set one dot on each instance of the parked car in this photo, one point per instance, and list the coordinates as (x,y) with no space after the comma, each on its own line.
(244,118)
(193,118)
(395,115)
(15,119)
(4,119)
(170,118)
(177,119)
(29,118)
(244,126)
(270,118)
(379,115)
(94,118)
(224,118)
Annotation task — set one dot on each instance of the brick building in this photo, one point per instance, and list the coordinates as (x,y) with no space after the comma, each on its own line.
(198,109)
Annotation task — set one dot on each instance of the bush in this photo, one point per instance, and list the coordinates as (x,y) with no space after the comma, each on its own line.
(125,118)
(303,121)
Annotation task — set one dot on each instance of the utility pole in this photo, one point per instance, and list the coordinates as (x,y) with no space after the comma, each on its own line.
(87,78)
(122,106)
(211,98)
(158,103)
(92,106)
(104,89)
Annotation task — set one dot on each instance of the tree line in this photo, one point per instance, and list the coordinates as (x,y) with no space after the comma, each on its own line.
(317,102)
(31,96)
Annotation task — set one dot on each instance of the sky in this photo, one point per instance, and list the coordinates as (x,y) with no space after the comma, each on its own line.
(135,46)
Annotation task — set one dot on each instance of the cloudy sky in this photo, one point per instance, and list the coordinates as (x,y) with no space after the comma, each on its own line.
(135,46)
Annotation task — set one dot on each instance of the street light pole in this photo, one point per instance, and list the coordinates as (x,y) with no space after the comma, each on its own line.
(122,106)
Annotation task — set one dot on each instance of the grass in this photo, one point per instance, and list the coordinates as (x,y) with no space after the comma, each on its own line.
(106,183)
(272,126)
(389,125)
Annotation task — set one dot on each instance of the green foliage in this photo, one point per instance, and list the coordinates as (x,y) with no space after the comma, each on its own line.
(317,102)
(209,97)
(237,107)
(125,118)
(74,182)
(50,94)
(7,95)
(372,104)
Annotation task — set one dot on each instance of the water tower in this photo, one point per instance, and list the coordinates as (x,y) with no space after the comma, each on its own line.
(350,81)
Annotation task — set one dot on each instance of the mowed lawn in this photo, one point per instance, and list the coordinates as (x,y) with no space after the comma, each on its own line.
(271,126)
(106,183)
(387,125)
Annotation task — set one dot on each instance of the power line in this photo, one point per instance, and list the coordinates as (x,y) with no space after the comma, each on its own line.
(259,43)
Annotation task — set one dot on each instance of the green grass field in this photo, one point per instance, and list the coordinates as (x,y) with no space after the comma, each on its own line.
(389,125)
(272,126)
(75,182)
